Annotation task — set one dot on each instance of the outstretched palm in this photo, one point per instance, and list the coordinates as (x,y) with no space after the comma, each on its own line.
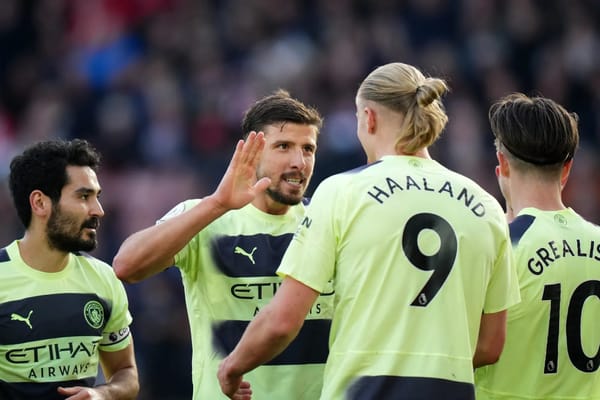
(239,186)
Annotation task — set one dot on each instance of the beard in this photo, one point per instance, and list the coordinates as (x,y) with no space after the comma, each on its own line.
(293,196)
(288,200)
(65,233)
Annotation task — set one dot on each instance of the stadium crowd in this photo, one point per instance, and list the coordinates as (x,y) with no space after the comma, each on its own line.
(160,86)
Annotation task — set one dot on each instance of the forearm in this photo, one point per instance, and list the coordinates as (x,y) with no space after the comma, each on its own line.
(123,385)
(273,328)
(147,252)
(268,339)
(492,334)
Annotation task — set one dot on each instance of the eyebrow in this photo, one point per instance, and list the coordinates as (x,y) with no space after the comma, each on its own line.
(86,190)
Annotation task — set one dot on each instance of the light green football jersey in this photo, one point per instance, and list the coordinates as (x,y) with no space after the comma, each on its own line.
(552,348)
(229,274)
(416,253)
(52,325)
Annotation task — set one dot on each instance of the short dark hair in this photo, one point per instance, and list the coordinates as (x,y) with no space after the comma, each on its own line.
(536,130)
(279,107)
(43,166)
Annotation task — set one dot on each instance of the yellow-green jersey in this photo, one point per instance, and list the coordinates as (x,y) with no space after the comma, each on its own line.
(552,348)
(52,325)
(229,274)
(417,253)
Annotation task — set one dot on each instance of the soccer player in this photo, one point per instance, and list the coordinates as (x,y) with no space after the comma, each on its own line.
(61,310)
(419,255)
(552,346)
(229,244)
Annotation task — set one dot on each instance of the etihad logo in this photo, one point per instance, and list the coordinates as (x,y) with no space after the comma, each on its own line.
(52,351)
(17,317)
(239,250)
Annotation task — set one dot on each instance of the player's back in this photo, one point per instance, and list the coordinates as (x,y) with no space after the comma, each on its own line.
(552,348)
(417,249)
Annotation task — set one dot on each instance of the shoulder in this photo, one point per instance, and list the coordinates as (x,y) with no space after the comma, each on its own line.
(346,177)
(520,226)
(95,266)
(4,257)
(179,209)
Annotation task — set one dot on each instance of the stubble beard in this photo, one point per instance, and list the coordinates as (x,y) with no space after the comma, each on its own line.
(280,197)
(60,228)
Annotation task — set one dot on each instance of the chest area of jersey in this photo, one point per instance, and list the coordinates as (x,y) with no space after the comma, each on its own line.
(248,256)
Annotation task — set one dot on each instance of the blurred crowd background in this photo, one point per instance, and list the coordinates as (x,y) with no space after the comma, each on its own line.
(160,87)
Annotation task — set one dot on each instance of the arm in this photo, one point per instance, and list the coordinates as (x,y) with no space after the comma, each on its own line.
(146,252)
(269,333)
(492,333)
(121,375)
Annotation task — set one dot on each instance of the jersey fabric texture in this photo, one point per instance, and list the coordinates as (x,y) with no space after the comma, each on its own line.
(416,253)
(52,325)
(229,274)
(552,348)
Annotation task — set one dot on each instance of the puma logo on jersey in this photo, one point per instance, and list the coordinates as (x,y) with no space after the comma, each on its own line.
(239,250)
(17,317)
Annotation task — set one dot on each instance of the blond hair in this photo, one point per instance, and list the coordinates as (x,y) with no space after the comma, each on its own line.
(404,89)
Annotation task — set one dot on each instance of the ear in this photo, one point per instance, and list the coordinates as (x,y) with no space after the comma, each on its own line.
(371,119)
(41,205)
(564,174)
(503,168)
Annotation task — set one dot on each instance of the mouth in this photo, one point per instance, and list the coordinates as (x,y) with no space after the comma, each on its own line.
(91,225)
(294,181)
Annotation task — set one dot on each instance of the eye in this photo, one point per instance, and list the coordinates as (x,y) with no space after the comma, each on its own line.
(84,196)
(283,146)
(309,149)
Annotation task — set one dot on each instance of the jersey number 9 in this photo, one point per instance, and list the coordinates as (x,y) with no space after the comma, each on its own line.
(440,263)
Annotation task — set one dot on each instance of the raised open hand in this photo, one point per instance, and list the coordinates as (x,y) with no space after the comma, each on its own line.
(239,185)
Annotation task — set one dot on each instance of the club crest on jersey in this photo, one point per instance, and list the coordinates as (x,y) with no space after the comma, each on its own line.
(560,219)
(94,314)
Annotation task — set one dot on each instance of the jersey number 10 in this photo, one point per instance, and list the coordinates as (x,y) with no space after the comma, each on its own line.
(573,331)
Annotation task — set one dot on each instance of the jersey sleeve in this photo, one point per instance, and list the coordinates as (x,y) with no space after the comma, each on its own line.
(310,258)
(503,287)
(185,256)
(116,335)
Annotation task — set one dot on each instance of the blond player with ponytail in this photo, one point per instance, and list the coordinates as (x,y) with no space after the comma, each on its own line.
(419,257)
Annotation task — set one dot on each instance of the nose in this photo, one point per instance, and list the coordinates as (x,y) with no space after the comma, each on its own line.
(97,209)
(298,160)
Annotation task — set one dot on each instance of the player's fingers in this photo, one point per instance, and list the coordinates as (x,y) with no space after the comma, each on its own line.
(262,185)
(237,154)
(68,390)
(248,148)
(254,148)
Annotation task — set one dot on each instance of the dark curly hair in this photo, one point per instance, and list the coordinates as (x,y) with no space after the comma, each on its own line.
(43,166)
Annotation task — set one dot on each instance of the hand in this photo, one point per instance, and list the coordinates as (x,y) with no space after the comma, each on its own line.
(239,186)
(80,393)
(233,387)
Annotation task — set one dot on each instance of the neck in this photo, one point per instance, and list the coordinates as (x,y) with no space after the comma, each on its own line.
(37,254)
(423,153)
(531,193)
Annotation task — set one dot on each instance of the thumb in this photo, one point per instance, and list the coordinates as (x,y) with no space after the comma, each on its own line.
(262,184)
